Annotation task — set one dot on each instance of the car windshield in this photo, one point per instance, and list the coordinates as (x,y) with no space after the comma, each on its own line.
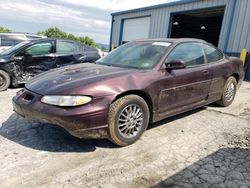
(139,55)
(13,48)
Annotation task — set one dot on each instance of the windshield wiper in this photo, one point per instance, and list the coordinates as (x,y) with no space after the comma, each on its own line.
(119,65)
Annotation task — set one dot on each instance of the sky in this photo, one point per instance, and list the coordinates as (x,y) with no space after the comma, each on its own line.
(80,17)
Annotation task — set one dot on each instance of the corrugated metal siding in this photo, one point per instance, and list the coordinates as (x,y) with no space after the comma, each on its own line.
(160,18)
(240,31)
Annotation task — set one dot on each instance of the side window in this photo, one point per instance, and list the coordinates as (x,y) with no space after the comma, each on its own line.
(191,53)
(212,53)
(11,40)
(66,47)
(79,47)
(40,49)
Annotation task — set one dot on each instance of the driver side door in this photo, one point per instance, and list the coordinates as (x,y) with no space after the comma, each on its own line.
(189,86)
(38,58)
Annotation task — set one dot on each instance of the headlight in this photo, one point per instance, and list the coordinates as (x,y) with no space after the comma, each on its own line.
(66,100)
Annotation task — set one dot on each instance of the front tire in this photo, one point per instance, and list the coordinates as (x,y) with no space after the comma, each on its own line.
(4,80)
(128,119)
(229,92)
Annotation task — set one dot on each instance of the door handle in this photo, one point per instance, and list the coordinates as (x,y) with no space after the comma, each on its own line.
(205,71)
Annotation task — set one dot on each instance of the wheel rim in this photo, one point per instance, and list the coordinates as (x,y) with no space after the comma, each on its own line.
(130,121)
(2,80)
(230,91)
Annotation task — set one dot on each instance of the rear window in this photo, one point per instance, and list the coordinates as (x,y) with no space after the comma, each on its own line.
(11,40)
(213,54)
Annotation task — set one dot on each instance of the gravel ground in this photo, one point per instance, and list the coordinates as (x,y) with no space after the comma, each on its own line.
(208,147)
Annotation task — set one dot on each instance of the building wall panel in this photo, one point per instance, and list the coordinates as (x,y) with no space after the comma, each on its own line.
(240,36)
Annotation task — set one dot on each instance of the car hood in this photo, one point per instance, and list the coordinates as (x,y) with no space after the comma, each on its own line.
(67,79)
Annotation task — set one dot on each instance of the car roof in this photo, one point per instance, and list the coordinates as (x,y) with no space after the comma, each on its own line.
(48,39)
(58,39)
(172,40)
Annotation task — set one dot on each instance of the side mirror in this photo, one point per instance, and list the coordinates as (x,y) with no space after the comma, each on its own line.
(175,64)
(27,54)
(18,58)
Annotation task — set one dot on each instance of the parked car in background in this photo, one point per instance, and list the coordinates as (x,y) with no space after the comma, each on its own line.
(29,58)
(11,39)
(140,82)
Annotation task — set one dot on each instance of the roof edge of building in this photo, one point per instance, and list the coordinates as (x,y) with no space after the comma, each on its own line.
(173,3)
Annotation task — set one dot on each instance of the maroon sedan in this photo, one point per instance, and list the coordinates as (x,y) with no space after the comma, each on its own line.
(140,82)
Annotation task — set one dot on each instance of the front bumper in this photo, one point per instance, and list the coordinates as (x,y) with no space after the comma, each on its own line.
(87,121)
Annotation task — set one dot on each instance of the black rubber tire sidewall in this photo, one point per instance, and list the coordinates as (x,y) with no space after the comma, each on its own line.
(116,109)
(7,80)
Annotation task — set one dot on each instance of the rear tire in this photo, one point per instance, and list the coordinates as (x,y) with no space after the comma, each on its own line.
(128,119)
(4,80)
(229,92)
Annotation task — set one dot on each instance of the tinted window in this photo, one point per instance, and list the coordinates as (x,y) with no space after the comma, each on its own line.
(190,53)
(212,53)
(88,48)
(80,47)
(11,40)
(66,47)
(40,49)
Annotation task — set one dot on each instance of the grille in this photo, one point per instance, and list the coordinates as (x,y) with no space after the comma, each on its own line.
(28,97)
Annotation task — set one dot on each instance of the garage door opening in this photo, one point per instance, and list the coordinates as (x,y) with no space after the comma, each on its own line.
(203,24)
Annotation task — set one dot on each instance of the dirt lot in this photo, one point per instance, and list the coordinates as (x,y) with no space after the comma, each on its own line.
(208,147)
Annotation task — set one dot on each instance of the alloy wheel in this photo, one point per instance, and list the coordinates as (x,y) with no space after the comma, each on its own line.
(130,121)
(230,92)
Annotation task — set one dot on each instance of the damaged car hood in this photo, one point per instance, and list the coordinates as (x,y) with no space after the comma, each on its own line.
(74,76)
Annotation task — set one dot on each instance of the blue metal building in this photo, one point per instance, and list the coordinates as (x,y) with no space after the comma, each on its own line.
(225,23)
